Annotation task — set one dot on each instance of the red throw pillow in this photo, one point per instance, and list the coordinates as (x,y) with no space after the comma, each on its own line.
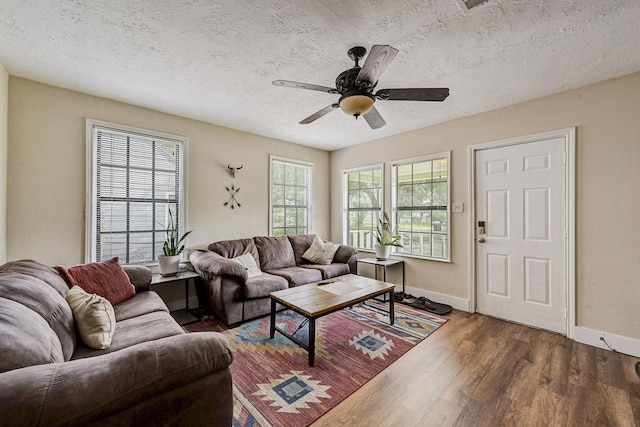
(106,279)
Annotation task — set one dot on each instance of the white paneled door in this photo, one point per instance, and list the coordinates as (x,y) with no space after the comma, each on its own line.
(520,253)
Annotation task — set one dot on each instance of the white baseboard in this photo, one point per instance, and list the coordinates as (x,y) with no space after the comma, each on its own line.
(621,344)
(455,302)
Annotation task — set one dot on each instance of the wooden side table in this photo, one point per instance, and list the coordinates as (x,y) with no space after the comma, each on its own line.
(384,264)
(184,316)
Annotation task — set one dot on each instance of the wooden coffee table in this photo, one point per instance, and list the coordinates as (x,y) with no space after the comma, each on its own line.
(319,299)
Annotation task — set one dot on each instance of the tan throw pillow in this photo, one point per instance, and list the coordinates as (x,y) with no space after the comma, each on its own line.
(94,317)
(321,252)
(248,262)
(106,279)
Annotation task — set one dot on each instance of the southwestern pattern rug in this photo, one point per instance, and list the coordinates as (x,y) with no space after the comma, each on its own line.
(273,383)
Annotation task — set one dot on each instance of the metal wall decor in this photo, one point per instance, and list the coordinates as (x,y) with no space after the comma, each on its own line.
(232,202)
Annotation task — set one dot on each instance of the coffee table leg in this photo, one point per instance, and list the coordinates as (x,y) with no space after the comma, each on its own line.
(272,329)
(392,315)
(312,340)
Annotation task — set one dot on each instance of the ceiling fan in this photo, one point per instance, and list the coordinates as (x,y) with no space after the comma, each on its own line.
(356,85)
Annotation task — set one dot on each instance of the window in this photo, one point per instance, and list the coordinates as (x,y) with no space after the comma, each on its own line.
(420,203)
(290,196)
(135,177)
(362,195)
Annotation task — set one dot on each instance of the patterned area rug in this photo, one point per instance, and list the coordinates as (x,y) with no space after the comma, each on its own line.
(273,383)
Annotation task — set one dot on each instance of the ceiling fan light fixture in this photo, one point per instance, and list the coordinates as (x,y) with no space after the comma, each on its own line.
(357,104)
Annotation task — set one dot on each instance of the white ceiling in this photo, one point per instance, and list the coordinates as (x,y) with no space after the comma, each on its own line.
(214,60)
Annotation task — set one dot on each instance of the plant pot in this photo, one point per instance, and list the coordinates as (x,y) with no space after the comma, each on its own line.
(168,265)
(382,252)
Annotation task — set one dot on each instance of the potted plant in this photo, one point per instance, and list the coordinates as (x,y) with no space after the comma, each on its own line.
(386,237)
(172,248)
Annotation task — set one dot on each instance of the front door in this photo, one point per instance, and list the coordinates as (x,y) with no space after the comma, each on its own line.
(520,254)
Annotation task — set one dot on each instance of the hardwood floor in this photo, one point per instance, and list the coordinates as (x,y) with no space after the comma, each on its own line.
(480,371)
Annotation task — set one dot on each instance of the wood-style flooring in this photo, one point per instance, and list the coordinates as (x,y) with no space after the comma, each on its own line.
(480,371)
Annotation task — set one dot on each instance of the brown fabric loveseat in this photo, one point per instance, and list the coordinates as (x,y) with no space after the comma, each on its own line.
(234,295)
(153,373)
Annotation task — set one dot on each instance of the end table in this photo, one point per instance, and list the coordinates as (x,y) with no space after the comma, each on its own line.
(384,264)
(184,316)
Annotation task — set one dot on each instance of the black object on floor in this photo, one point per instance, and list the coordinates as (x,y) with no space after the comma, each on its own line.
(638,369)
(422,303)
(434,307)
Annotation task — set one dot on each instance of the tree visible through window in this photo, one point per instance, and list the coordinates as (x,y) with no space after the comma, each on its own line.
(290,197)
(136,179)
(421,206)
(362,192)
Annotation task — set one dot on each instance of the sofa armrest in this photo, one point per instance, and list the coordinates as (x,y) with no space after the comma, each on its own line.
(139,275)
(344,254)
(86,390)
(209,264)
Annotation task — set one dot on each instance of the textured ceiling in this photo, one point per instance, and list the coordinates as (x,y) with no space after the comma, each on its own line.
(214,60)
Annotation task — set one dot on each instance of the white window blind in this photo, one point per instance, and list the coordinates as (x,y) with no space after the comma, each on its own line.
(290,197)
(136,179)
(362,192)
(420,205)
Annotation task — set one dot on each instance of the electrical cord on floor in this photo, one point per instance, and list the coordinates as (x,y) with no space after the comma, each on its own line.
(607,344)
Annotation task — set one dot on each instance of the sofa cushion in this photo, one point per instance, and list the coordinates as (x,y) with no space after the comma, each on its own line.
(262,286)
(43,299)
(235,248)
(106,279)
(44,273)
(95,319)
(321,252)
(331,270)
(248,262)
(26,338)
(298,275)
(136,330)
(274,252)
(300,243)
(139,304)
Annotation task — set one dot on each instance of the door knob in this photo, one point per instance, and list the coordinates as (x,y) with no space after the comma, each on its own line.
(481,240)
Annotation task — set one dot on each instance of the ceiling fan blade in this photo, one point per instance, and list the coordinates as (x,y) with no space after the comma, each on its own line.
(415,94)
(298,85)
(374,119)
(377,61)
(315,116)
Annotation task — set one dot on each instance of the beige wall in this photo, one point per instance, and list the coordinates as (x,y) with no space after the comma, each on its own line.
(606,116)
(4,99)
(47,163)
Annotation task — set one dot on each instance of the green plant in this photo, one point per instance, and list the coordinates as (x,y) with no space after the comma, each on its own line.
(172,245)
(385,236)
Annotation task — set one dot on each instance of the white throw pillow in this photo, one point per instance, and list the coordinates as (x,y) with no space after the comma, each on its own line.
(94,316)
(321,252)
(248,262)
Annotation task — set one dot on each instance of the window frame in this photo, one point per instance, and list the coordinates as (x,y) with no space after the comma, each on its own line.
(92,126)
(310,190)
(345,201)
(394,201)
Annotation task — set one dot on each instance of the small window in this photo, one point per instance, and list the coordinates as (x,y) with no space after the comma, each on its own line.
(362,197)
(135,179)
(420,205)
(291,195)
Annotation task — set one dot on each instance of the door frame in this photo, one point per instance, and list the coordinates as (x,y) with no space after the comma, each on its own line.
(569,137)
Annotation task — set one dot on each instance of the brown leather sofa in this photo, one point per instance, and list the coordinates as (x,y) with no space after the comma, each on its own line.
(235,296)
(152,374)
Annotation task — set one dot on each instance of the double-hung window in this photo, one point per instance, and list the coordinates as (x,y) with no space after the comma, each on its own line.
(135,181)
(291,195)
(362,200)
(420,202)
